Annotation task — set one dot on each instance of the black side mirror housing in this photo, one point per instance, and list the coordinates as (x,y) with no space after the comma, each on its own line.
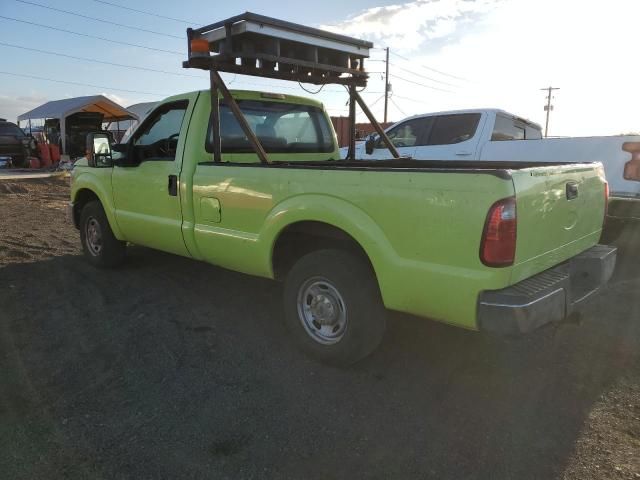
(370,144)
(98,150)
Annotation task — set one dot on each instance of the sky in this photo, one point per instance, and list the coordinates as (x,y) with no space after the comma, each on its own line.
(444,55)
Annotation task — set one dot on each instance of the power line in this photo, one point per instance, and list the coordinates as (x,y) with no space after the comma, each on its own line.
(423,76)
(376,101)
(85,59)
(431,68)
(421,84)
(173,52)
(148,13)
(138,29)
(410,99)
(396,105)
(23,75)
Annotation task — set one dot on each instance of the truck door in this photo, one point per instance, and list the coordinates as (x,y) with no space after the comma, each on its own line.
(146,185)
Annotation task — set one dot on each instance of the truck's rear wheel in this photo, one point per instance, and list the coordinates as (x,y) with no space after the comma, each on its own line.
(333,306)
(99,244)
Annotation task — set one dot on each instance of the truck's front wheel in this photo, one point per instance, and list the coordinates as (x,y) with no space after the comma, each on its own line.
(333,306)
(99,244)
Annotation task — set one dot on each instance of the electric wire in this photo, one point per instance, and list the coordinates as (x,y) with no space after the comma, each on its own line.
(138,29)
(86,59)
(147,13)
(420,84)
(309,91)
(23,75)
(173,52)
(422,76)
(396,105)
(429,68)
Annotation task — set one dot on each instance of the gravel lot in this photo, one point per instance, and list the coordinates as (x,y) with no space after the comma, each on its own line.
(169,368)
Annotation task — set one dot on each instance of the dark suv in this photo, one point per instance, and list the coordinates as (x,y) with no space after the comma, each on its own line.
(15,145)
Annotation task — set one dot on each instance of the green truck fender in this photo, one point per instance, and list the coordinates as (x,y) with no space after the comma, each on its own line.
(87,186)
(333,212)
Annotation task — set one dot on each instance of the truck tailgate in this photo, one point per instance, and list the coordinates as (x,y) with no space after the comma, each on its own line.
(560,214)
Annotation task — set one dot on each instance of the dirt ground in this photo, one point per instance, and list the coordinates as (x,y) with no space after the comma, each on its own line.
(169,368)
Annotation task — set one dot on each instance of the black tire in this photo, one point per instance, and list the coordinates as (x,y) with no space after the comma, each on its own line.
(111,251)
(346,284)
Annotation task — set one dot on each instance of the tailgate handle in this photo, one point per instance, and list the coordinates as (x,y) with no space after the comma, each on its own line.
(572,190)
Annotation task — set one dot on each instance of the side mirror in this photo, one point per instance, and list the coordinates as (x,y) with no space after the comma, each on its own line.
(99,150)
(370,144)
(632,167)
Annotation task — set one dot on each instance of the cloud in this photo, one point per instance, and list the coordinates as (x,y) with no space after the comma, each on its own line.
(11,107)
(116,98)
(409,26)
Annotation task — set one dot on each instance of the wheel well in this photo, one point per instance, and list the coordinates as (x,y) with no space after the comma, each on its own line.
(301,238)
(83,197)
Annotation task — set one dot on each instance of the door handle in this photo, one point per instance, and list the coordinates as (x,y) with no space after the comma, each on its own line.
(172,185)
(463,153)
(572,190)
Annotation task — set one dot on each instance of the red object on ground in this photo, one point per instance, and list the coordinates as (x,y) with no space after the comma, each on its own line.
(54,153)
(34,162)
(45,162)
(43,153)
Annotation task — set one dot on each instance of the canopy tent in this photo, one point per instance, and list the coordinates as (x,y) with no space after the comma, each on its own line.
(140,110)
(61,109)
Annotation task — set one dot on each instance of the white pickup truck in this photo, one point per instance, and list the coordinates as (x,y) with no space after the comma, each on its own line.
(496,135)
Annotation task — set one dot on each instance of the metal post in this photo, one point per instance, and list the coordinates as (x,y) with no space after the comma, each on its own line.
(548,108)
(377,126)
(235,109)
(386,86)
(215,119)
(351,153)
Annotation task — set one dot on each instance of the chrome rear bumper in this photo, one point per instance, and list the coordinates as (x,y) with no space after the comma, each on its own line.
(550,296)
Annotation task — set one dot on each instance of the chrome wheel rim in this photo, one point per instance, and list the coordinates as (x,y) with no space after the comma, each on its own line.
(93,235)
(322,311)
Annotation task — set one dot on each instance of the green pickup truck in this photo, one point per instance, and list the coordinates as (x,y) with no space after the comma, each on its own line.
(502,247)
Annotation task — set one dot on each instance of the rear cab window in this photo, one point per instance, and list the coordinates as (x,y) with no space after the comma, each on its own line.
(281,128)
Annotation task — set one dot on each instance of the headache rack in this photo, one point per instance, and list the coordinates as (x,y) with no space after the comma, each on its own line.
(251,44)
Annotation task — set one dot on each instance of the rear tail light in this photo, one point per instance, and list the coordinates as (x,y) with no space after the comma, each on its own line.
(632,167)
(498,246)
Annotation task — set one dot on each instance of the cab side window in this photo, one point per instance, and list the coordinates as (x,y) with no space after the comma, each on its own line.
(408,134)
(454,128)
(157,138)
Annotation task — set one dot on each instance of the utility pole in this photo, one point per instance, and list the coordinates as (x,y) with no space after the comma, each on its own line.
(386,86)
(548,107)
